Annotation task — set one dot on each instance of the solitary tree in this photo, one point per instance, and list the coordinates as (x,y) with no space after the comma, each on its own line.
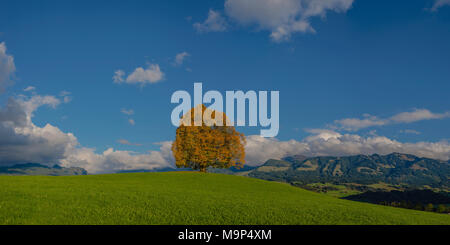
(429,207)
(441,208)
(212,143)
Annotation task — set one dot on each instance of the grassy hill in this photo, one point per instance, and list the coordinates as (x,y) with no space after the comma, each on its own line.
(183,198)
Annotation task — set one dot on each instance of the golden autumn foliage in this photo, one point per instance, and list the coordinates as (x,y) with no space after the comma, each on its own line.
(210,143)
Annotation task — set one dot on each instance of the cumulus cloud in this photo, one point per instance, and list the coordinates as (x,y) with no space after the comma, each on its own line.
(418,115)
(22,141)
(141,76)
(31,104)
(152,74)
(330,143)
(126,142)
(214,23)
(7,68)
(354,124)
(282,17)
(439,4)
(179,58)
(131,122)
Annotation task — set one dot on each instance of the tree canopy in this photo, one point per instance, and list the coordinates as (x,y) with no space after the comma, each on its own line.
(212,143)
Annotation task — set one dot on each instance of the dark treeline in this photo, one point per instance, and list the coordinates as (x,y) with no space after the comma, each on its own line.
(424,200)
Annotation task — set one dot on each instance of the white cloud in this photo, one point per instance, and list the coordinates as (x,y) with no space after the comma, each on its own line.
(31,104)
(152,74)
(131,122)
(7,68)
(29,88)
(439,4)
(282,17)
(127,112)
(354,124)
(118,76)
(260,149)
(22,141)
(418,115)
(325,134)
(214,23)
(142,76)
(126,142)
(179,58)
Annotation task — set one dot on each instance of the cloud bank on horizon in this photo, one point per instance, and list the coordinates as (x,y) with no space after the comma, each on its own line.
(331,143)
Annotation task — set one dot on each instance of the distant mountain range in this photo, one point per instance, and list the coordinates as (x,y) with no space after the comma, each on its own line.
(39,169)
(395,168)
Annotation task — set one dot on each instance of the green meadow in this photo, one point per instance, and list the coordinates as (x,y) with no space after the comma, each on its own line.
(184,198)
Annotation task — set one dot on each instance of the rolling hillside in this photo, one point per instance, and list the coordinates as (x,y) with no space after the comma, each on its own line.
(183,198)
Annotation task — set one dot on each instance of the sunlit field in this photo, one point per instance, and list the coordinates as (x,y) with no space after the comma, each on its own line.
(183,198)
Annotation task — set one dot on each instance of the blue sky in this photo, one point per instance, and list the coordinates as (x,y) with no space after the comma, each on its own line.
(368,61)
